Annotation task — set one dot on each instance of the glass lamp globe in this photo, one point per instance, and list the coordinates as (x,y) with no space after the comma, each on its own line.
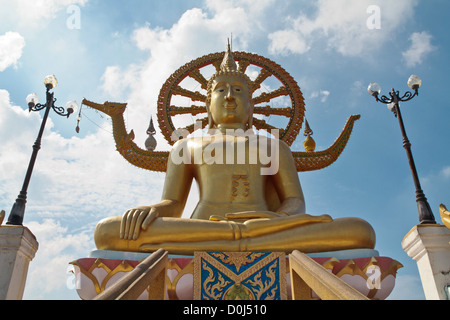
(414,82)
(51,81)
(71,106)
(32,100)
(391,106)
(374,89)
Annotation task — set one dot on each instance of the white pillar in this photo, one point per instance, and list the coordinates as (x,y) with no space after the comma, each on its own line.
(429,246)
(17,248)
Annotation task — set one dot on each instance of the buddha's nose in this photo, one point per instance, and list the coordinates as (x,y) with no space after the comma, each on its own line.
(229,96)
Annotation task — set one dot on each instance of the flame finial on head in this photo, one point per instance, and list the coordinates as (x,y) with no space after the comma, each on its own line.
(228,63)
(229,67)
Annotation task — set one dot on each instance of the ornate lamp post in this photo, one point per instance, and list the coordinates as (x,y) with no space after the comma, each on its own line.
(414,82)
(18,210)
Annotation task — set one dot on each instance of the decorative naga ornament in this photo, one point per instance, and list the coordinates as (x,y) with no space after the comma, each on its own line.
(150,143)
(167,110)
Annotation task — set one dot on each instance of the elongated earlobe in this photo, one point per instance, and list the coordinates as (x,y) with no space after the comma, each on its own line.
(210,118)
(250,116)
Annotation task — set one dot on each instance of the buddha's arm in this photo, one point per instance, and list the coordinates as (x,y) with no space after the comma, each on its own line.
(175,193)
(177,184)
(287,184)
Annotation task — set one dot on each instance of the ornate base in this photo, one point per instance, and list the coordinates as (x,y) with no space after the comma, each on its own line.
(226,275)
(18,246)
(428,245)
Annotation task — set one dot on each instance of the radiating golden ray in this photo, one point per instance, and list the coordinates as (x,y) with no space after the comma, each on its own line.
(263,75)
(266,97)
(197,76)
(194,110)
(191,127)
(268,110)
(217,64)
(263,125)
(194,96)
(243,65)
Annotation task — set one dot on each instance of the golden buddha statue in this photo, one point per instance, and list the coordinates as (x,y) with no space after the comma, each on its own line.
(240,208)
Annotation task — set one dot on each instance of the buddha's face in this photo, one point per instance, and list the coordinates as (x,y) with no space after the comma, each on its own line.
(230,101)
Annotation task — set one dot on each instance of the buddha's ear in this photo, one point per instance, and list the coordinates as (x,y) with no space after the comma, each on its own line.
(210,118)
(250,116)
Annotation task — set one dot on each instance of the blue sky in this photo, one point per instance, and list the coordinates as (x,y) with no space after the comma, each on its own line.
(124,51)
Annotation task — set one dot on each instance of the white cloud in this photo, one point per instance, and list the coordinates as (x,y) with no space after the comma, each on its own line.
(14,148)
(251,7)
(48,270)
(11,47)
(285,42)
(342,24)
(37,12)
(323,94)
(117,82)
(357,88)
(420,47)
(446,172)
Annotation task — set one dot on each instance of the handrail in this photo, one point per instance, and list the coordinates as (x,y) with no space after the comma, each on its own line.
(307,275)
(150,272)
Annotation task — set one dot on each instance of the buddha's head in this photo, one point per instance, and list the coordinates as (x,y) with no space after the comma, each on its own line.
(229,100)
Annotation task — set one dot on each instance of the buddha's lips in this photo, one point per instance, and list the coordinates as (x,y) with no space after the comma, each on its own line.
(230,106)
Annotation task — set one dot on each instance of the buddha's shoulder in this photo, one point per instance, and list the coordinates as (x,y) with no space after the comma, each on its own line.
(190,142)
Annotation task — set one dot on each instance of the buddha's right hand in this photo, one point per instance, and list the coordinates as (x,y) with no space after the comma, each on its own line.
(135,219)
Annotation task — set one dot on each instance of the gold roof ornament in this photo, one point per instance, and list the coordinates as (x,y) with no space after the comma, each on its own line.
(310,144)
(445,215)
(231,63)
(151,143)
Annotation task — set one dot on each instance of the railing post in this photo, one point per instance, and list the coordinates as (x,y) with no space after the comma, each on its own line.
(158,286)
(150,272)
(307,275)
(300,290)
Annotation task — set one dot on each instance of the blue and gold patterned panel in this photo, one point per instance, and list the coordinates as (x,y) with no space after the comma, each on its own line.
(239,276)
